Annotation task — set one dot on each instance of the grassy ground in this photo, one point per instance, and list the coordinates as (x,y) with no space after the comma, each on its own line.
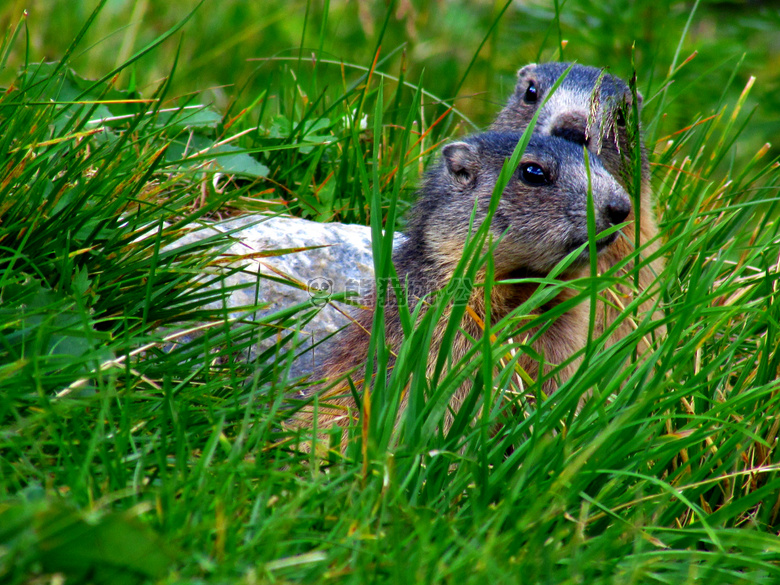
(130,453)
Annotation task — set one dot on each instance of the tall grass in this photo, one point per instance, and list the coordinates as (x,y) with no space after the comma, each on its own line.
(232,50)
(131,451)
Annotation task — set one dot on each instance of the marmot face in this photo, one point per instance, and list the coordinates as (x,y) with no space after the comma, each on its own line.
(542,214)
(589,108)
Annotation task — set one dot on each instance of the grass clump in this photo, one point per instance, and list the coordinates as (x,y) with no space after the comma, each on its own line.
(129,451)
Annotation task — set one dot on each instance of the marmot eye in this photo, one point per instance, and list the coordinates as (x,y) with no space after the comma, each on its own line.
(531,94)
(533,174)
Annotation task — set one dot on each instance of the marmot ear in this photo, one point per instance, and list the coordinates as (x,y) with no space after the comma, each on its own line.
(525,70)
(461,160)
(639,100)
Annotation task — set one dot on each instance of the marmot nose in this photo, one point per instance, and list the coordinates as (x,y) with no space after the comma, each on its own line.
(575,135)
(617,209)
(571,127)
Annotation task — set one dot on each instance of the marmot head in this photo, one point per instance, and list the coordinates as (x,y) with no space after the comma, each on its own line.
(541,216)
(590,108)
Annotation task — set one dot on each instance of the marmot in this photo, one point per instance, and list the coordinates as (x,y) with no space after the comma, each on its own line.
(591,108)
(540,219)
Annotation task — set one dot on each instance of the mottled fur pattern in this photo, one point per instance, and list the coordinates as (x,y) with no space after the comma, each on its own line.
(541,217)
(592,108)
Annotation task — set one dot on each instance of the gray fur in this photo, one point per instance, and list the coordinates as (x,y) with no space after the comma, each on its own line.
(590,107)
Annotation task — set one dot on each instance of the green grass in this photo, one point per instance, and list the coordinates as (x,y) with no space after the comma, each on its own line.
(131,453)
